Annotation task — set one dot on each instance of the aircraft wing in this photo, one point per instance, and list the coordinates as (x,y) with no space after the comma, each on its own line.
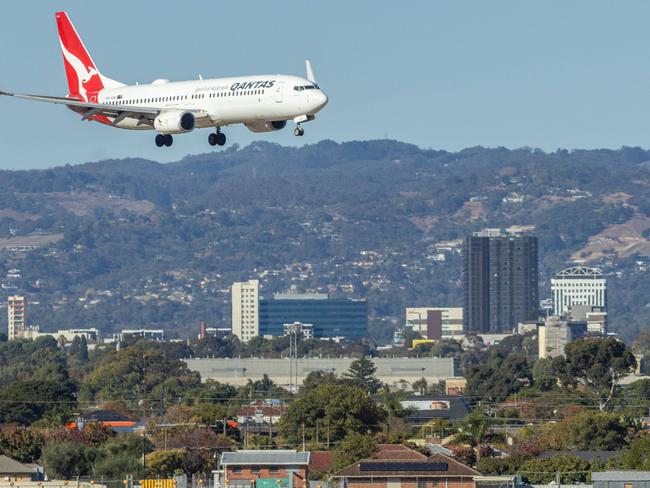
(145,115)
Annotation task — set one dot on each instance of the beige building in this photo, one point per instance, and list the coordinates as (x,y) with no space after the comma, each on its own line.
(16,317)
(245,309)
(428,321)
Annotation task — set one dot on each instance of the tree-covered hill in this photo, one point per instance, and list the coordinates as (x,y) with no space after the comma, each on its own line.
(138,243)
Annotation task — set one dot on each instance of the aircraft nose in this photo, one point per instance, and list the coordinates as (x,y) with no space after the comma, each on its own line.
(320,99)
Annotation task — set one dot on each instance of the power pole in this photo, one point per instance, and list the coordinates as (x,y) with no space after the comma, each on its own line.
(144,412)
(303,437)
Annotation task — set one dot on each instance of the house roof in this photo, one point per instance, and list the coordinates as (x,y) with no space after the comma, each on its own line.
(321,461)
(262,408)
(400,454)
(279,457)
(11,466)
(436,466)
(458,408)
(621,476)
(107,416)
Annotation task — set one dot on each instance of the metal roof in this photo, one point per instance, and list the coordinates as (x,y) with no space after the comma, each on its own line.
(270,457)
(580,272)
(621,476)
(11,466)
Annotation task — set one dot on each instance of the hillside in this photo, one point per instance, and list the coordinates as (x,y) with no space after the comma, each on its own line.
(136,243)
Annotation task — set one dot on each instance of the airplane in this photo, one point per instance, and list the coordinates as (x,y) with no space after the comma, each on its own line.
(262,103)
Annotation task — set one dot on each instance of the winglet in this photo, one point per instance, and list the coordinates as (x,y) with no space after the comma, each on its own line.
(310,73)
(5,93)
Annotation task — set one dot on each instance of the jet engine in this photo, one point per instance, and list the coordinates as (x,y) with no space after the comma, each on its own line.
(174,122)
(266,126)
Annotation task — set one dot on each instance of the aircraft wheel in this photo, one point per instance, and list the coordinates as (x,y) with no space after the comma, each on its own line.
(169,140)
(213,139)
(221,138)
(160,140)
(298,131)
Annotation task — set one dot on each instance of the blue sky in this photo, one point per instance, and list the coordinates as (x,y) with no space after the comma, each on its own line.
(439,74)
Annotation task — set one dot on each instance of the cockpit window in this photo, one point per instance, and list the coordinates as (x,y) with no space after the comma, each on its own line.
(306,87)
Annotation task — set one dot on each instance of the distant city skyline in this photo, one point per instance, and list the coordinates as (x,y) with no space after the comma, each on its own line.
(444,75)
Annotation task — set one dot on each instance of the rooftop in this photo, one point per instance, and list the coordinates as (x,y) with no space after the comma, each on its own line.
(258,457)
(438,465)
(11,466)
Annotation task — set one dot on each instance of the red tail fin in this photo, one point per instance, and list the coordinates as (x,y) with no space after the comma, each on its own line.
(84,80)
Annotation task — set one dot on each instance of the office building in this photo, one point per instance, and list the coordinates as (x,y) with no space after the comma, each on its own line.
(393,371)
(329,317)
(500,281)
(16,306)
(578,286)
(555,333)
(435,322)
(245,310)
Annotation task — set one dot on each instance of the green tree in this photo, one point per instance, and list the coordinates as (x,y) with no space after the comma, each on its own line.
(475,430)
(595,431)
(362,374)
(637,456)
(67,460)
(599,364)
(330,411)
(120,455)
(572,470)
(20,443)
(164,464)
(353,448)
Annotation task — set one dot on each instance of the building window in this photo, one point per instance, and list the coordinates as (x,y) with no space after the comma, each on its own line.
(236,469)
(275,469)
(255,469)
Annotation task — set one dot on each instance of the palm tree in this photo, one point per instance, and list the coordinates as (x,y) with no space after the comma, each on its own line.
(475,430)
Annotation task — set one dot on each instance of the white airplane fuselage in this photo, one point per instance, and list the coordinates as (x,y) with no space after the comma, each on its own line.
(250,99)
(262,103)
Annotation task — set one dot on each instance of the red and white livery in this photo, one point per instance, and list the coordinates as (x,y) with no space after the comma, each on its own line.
(262,103)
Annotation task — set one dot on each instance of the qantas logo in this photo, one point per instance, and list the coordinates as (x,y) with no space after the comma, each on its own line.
(84,74)
(251,85)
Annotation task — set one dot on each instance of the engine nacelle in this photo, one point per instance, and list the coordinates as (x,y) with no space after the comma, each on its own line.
(266,125)
(174,122)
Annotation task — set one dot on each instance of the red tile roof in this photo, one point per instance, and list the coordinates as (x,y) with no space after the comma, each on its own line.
(455,469)
(321,461)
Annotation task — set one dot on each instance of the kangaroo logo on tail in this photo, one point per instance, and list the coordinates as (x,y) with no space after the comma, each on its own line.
(82,74)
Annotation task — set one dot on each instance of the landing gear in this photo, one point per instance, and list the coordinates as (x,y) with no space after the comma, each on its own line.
(217,139)
(298,131)
(164,140)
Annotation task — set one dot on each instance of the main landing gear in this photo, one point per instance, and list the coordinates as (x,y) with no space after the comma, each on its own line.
(164,140)
(298,131)
(217,138)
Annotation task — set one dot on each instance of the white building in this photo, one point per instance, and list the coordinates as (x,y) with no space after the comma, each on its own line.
(578,286)
(245,309)
(555,334)
(423,319)
(305,331)
(151,334)
(16,306)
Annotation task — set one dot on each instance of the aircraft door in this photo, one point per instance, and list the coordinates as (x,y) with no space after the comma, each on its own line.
(279,89)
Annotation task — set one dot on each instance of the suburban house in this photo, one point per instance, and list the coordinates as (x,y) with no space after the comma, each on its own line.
(433,472)
(108,418)
(263,469)
(12,470)
(423,409)
(260,412)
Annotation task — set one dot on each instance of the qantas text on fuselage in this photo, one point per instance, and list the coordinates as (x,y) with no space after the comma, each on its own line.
(262,103)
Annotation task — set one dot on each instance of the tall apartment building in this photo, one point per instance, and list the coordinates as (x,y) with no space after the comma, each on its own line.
(16,317)
(500,281)
(578,286)
(245,309)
